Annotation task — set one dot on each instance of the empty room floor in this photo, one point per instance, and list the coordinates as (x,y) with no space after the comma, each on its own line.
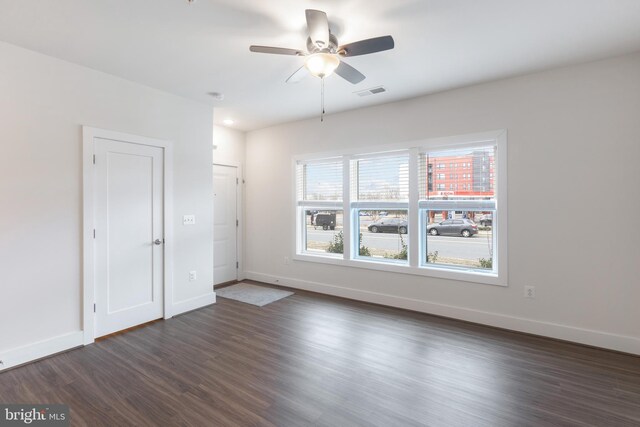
(318,360)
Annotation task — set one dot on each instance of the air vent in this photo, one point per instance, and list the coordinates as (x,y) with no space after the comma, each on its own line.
(371,91)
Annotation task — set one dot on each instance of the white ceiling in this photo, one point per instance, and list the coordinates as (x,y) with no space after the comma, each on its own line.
(191,50)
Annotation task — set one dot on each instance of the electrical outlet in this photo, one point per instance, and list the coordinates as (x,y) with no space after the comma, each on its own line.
(286,260)
(193,276)
(529,291)
(188,219)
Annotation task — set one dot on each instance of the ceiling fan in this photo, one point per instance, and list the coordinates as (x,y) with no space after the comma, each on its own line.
(324,54)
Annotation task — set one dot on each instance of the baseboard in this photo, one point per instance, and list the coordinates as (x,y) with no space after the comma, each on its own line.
(589,337)
(30,352)
(193,304)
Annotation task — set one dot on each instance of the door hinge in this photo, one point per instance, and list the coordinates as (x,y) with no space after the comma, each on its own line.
(237,181)
(94,159)
(94,233)
(237,222)
(94,307)
(237,264)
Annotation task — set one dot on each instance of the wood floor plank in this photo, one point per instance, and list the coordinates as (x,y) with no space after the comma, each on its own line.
(315,360)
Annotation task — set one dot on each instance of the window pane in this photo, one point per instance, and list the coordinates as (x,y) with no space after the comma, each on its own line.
(383,235)
(463,174)
(381,178)
(320,180)
(324,231)
(459,238)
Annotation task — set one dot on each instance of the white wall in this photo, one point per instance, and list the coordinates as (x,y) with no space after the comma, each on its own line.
(43,105)
(229,145)
(573,144)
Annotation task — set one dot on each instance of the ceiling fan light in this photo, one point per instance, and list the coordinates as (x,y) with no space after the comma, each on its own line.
(322,64)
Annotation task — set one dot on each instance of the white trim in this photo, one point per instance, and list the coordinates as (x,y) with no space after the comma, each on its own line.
(463,275)
(502,216)
(239,214)
(194,303)
(347,218)
(381,205)
(412,211)
(321,204)
(88,285)
(298,237)
(590,337)
(38,350)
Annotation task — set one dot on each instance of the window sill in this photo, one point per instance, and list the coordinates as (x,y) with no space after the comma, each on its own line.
(471,276)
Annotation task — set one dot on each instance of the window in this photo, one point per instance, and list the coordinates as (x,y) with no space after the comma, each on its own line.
(380,185)
(319,203)
(379,210)
(450,224)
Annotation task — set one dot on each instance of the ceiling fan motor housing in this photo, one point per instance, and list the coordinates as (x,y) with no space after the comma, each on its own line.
(312,47)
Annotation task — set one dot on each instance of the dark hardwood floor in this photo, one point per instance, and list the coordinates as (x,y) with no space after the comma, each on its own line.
(317,360)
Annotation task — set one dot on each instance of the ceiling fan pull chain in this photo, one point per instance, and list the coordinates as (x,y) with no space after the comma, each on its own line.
(322,99)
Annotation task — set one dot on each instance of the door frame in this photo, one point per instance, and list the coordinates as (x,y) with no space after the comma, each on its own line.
(88,223)
(240,273)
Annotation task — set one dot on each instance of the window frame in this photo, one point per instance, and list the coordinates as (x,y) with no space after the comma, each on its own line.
(414,266)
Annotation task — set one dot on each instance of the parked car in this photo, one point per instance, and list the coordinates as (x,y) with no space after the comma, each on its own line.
(389,225)
(485,219)
(453,227)
(326,221)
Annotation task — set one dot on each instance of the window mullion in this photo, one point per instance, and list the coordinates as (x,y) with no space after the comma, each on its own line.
(347,215)
(414,195)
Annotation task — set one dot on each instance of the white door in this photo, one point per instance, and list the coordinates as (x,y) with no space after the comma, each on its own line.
(129,234)
(225,217)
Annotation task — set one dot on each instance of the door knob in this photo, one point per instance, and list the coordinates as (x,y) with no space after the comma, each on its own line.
(157,242)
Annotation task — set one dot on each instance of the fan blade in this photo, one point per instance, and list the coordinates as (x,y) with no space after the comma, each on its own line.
(363,47)
(318,26)
(349,73)
(298,75)
(276,50)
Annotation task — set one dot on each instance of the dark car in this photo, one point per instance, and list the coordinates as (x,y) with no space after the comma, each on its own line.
(485,219)
(453,227)
(389,225)
(326,221)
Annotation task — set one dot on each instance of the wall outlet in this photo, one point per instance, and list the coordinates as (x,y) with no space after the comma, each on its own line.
(529,291)
(193,276)
(188,219)
(287,261)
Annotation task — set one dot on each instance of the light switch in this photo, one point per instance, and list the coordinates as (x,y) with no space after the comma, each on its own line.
(189,219)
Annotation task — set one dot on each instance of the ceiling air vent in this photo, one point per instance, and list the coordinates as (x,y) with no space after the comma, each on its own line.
(371,91)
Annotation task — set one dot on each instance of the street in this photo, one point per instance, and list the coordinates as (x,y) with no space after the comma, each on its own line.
(471,248)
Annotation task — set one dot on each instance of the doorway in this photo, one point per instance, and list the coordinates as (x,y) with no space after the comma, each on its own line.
(225,223)
(126,229)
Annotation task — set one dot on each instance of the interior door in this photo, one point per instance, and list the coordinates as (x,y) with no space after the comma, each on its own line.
(129,235)
(225,223)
